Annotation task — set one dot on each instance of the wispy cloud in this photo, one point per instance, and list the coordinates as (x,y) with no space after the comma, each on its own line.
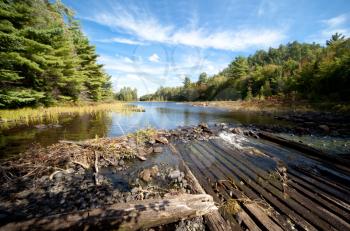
(337,24)
(145,27)
(121,40)
(337,21)
(267,7)
(147,77)
(154,58)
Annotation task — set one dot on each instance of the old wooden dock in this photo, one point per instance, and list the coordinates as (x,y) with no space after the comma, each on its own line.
(270,187)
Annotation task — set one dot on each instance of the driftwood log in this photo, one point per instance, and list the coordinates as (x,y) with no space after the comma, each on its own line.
(214,220)
(133,215)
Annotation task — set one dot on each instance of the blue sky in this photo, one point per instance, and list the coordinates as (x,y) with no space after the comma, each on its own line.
(153,43)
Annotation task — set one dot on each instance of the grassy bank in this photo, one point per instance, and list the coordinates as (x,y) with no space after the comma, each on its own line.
(275,105)
(10,117)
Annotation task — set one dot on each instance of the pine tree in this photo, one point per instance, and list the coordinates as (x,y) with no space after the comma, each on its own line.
(44,58)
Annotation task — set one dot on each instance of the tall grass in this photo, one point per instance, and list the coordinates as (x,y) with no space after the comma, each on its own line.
(10,117)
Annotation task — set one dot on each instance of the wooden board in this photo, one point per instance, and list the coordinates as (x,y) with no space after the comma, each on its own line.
(308,202)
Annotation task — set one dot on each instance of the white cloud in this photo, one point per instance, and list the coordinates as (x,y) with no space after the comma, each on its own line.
(147,77)
(121,40)
(154,58)
(337,24)
(336,21)
(147,28)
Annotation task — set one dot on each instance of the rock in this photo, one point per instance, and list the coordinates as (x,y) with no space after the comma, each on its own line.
(203,125)
(58,176)
(157,149)
(141,151)
(236,130)
(174,174)
(324,128)
(40,126)
(162,140)
(149,150)
(121,162)
(135,190)
(154,170)
(145,175)
(141,157)
(70,171)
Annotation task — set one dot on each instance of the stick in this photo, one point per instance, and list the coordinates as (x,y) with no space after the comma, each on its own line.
(81,164)
(96,168)
(83,144)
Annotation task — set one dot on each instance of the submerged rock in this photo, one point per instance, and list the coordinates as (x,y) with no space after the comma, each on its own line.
(157,149)
(324,128)
(147,174)
(40,126)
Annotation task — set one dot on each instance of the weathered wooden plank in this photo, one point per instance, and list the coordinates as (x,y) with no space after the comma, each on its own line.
(310,194)
(321,191)
(133,215)
(242,215)
(315,195)
(276,198)
(264,220)
(312,215)
(224,174)
(338,184)
(317,209)
(341,163)
(214,220)
(330,190)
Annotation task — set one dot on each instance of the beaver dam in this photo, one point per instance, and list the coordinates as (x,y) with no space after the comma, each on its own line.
(189,178)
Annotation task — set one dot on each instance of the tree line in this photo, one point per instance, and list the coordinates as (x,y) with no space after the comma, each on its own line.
(126,94)
(294,71)
(45,58)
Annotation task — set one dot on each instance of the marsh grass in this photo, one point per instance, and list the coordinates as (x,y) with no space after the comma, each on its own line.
(143,135)
(13,117)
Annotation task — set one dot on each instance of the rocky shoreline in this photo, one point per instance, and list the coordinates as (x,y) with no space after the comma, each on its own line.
(72,176)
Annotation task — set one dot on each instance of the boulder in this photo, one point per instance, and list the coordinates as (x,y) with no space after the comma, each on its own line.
(324,128)
(174,174)
(162,140)
(145,175)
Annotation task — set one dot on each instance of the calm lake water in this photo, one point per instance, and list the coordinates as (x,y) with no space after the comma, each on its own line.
(163,115)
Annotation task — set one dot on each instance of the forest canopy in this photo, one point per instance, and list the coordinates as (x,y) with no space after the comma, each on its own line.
(45,58)
(295,70)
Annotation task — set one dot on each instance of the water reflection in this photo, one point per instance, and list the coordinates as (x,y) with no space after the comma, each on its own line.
(157,115)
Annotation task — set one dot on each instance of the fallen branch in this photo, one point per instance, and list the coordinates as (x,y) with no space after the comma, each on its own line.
(133,215)
(53,174)
(96,168)
(85,166)
(82,144)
